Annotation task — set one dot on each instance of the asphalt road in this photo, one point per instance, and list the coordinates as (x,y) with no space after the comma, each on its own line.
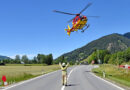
(79,78)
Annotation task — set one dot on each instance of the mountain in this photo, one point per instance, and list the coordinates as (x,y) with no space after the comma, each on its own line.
(4,57)
(113,43)
(127,35)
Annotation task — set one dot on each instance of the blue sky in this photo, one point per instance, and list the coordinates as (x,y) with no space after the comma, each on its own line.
(30,27)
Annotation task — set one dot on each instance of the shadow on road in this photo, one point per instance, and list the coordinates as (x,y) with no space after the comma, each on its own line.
(87,71)
(72,84)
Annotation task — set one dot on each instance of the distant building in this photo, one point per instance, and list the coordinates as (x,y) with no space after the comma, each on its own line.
(22,62)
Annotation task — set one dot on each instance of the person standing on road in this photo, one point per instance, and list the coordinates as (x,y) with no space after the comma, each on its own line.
(64,67)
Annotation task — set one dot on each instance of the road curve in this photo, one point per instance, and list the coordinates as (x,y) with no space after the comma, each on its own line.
(79,78)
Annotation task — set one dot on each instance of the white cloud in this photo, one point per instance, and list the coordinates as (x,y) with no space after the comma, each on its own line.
(30,56)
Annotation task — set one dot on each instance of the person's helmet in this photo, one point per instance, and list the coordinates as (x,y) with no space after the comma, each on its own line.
(63,64)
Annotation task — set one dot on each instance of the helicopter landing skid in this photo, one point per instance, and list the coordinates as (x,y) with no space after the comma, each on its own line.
(87,26)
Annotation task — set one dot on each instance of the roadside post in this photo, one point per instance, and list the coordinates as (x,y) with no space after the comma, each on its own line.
(99,61)
(104,74)
(126,67)
(0,83)
(93,63)
(42,71)
(4,80)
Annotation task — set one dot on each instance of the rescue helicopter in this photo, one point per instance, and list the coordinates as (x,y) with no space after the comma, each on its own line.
(79,22)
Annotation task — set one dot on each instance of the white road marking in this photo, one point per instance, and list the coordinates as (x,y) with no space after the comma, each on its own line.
(70,73)
(63,87)
(17,84)
(107,82)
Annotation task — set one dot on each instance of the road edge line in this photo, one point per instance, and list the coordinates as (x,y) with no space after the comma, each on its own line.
(108,82)
(26,81)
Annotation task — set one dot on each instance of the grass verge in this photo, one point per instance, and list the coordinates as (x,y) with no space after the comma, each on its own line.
(114,73)
(16,73)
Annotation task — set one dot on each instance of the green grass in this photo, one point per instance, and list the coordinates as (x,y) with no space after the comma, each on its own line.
(114,73)
(126,63)
(25,65)
(121,81)
(23,76)
(16,73)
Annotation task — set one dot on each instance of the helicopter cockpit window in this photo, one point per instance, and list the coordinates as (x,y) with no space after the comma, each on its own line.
(77,19)
(80,17)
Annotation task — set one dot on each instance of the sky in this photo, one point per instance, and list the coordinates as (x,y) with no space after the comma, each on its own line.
(30,27)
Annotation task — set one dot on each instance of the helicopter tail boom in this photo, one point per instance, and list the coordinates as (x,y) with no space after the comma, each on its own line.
(68,28)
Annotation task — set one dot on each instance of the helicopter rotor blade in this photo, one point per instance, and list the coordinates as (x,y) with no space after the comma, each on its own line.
(70,20)
(63,12)
(94,16)
(88,5)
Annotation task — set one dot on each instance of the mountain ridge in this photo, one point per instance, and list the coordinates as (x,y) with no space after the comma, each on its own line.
(4,57)
(127,35)
(113,43)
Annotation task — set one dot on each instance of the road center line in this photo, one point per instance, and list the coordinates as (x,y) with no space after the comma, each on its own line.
(69,74)
(63,87)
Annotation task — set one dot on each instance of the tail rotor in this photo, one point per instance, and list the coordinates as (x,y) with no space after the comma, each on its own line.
(68,30)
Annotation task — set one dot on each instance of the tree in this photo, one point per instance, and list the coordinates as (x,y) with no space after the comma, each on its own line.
(120,58)
(34,61)
(92,57)
(81,55)
(106,58)
(17,59)
(96,55)
(60,59)
(127,55)
(41,58)
(112,59)
(102,54)
(49,59)
(25,59)
(72,62)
